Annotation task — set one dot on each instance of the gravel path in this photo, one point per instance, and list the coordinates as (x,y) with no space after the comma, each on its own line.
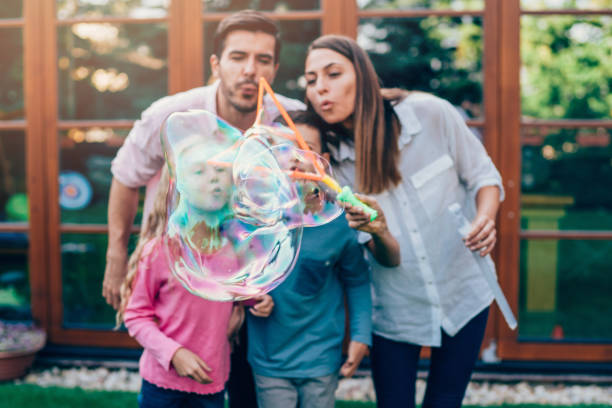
(361,389)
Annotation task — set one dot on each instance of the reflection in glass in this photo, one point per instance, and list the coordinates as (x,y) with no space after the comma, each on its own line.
(110,71)
(566,179)
(566,4)
(565,290)
(441,55)
(296,36)
(14,276)
(11,9)
(11,74)
(114,8)
(83,262)
(262,5)
(566,67)
(85,177)
(422,4)
(13,198)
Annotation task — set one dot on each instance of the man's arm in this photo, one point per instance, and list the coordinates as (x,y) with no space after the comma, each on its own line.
(122,207)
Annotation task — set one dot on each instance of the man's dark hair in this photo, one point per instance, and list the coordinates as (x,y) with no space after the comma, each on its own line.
(249,20)
(308,118)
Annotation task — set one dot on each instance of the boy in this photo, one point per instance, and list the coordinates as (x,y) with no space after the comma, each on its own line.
(296,352)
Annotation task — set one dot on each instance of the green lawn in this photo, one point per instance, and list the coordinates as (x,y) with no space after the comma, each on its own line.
(32,396)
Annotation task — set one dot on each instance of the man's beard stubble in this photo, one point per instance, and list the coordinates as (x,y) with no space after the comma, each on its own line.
(232,95)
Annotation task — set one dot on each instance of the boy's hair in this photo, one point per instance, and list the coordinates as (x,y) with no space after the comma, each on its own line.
(154,227)
(248,20)
(308,118)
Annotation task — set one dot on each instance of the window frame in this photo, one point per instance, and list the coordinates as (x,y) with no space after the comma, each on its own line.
(502,124)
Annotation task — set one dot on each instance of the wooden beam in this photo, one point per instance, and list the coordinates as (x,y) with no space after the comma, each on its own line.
(175,47)
(568,234)
(192,44)
(418,13)
(49,140)
(113,123)
(508,115)
(110,20)
(34,77)
(11,22)
(14,124)
(567,123)
(90,229)
(490,96)
(214,16)
(572,12)
(558,351)
(95,338)
(15,226)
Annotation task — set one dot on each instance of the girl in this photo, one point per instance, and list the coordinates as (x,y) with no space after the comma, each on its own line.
(415,154)
(186,358)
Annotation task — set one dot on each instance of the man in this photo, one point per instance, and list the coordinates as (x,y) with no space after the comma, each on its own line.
(246,47)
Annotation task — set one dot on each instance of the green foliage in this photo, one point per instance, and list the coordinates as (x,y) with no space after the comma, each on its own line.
(11,74)
(567,67)
(441,55)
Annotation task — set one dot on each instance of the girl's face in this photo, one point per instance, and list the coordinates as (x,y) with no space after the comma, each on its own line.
(203,186)
(331,85)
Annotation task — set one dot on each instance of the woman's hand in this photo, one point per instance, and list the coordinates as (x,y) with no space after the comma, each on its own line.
(359,220)
(482,236)
(356,352)
(188,364)
(383,245)
(263,307)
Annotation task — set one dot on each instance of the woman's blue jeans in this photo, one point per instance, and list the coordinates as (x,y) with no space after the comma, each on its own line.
(394,368)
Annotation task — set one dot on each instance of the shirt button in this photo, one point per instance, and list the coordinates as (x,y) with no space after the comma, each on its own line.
(415,231)
(327,263)
(423,258)
(429,282)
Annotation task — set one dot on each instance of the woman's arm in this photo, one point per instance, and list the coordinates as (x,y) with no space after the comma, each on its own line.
(383,245)
(483,235)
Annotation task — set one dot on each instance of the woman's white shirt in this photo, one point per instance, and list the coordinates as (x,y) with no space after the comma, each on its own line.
(438,285)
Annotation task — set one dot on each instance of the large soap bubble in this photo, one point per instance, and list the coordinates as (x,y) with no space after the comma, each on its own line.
(234,216)
(237,204)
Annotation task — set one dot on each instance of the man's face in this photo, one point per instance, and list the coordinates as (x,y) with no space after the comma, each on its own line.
(246,57)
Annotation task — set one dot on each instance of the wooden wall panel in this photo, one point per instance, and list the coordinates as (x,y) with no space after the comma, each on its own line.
(34,70)
(508,113)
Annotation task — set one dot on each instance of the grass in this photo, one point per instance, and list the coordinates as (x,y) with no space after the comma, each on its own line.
(32,396)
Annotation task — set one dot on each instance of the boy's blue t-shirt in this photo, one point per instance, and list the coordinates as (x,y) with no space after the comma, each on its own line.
(303,335)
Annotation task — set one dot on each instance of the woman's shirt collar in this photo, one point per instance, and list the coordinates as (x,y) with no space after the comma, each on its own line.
(410,126)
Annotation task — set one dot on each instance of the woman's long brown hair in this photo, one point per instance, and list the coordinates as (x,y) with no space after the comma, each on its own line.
(153,228)
(376,127)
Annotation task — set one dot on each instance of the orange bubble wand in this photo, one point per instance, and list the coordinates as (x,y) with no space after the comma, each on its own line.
(344,194)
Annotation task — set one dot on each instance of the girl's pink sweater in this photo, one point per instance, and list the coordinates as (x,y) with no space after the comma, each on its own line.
(163,316)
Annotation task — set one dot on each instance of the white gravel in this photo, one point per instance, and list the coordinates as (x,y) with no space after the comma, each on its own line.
(359,389)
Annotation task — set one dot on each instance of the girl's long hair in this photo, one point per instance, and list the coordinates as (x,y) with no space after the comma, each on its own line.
(376,127)
(153,228)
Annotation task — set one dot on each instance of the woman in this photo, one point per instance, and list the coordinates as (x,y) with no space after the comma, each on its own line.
(415,155)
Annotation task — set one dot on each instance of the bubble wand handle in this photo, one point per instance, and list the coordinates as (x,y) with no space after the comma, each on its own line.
(463,228)
(347,196)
